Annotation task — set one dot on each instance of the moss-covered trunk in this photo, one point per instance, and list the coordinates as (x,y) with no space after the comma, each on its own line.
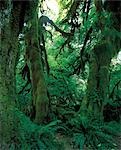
(39,89)
(98,81)
(100,58)
(8,54)
(9,31)
(8,57)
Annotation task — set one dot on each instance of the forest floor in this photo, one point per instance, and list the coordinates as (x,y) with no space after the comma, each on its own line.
(119,142)
(68,145)
(67,142)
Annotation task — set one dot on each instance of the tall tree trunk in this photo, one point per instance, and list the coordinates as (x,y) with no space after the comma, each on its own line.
(12,19)
(8,56)
(98,81)
(101,55)
(39,89)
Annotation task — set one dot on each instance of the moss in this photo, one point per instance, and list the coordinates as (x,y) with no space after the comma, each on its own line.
(40,98)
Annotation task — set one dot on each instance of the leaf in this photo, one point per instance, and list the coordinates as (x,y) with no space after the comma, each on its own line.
(79,140)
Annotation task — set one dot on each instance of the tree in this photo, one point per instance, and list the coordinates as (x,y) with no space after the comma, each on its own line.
(8,49)
(100,58)
(33,56)
(13,14)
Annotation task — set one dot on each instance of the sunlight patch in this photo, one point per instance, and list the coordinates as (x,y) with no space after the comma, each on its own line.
(53,8)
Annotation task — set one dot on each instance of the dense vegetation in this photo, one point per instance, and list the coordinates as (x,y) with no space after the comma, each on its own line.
(60,75)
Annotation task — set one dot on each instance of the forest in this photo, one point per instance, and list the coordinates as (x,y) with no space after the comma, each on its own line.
(60,75)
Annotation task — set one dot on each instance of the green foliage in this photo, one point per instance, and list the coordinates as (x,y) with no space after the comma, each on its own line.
(67,89)
(94,134)
(32,136)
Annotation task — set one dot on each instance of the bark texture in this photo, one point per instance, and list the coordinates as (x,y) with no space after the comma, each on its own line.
(12,19)
(39,88)
(8,56)
(100,58)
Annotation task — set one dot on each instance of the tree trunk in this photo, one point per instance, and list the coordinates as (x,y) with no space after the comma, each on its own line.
(98,81)
(39,89)
(13,124)
(8,56)
(101,55)
(11,24)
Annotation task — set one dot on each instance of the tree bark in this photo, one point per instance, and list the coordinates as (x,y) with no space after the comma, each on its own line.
(8,57)
(100,58)
(98,81)
(12,19)
(39,88)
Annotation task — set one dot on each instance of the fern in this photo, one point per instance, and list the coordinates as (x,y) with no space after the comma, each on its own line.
(79,140)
